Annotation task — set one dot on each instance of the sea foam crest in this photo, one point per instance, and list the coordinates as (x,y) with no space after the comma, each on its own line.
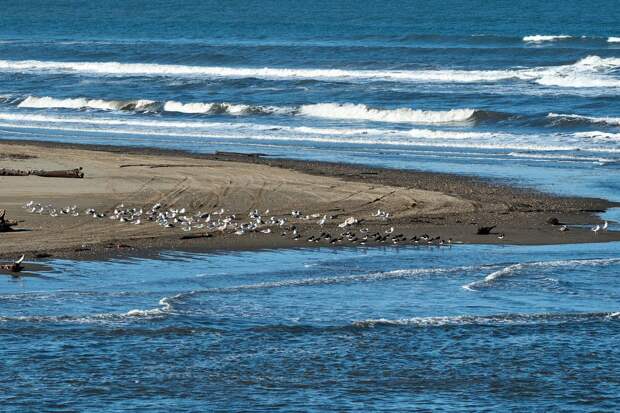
(47,102)
(613,40)
(404,115)
(538,38)
(347,111)
(584,73)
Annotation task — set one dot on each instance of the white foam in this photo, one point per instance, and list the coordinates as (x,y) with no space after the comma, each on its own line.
(597,62)
(538,38)
(598,135)
(613,40)
(561,157)
(400,115)
(516,268)
(153,69)
(172,106)
(496,319)
(606,120)
(576,75)
(277,133)
(47,102)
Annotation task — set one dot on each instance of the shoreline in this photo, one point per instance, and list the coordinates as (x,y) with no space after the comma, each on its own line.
(443,205)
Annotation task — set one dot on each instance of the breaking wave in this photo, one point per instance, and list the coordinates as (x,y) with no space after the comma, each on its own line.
(514,269)
(404,115)
(587,72)
(82,103)
(321,110)
(538,38)
(613,40)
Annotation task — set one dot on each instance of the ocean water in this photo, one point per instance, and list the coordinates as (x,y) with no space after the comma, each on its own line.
(452,329)
(527,91)
(523,92)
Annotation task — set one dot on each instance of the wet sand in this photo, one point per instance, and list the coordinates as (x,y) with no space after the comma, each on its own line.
(448,206)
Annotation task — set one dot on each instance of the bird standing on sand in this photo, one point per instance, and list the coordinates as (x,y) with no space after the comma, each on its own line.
(605,226)
(596,229)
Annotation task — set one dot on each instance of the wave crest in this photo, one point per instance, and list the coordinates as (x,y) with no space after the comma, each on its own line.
(539,38)
(400,115)
(583,74)
(518,267)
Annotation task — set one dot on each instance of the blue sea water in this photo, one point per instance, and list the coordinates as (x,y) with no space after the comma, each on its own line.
(525,92)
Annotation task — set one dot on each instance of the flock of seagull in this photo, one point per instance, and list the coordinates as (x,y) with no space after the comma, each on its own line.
(350,230)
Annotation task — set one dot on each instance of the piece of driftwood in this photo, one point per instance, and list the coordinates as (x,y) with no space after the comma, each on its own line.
(5,226)
(65,173)
(14,267)
(485,230)
(195,236)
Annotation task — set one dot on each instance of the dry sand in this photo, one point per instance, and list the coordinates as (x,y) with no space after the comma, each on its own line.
(437,204)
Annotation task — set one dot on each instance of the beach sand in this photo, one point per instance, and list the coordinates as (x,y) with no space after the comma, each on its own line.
(444,205)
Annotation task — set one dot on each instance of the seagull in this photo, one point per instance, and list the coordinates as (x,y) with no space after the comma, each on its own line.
(563,228)
(596,229)
(605,226)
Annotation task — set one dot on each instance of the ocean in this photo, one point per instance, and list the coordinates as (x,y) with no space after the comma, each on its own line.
(526,93)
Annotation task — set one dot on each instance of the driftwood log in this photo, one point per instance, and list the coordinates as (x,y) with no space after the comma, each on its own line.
(484,230)
(14,267)
(5,226)
(65,173)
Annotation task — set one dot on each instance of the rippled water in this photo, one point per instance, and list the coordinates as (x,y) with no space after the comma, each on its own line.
(351,329)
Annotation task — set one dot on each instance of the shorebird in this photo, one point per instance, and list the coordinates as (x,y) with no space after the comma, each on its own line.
(596,229)
(605,226)
(563,228)
(500,236)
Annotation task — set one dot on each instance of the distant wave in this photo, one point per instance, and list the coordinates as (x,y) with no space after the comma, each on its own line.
(514,269)
(538,38)
(585,119)
(585,73)
(498,319)
(613,40)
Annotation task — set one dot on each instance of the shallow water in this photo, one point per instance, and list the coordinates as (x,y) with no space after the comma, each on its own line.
(317,329)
